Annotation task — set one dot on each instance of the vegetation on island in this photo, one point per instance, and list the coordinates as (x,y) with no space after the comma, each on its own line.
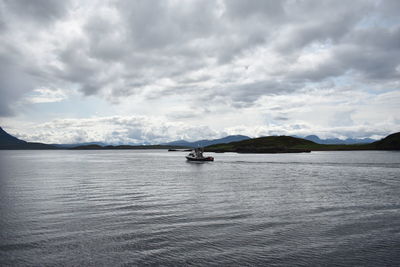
(288,144)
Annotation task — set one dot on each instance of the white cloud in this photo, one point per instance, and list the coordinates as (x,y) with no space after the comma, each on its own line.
(114,130)
(270,66)
(44,95)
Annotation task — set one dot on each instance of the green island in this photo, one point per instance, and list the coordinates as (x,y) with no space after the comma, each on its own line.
(288,144)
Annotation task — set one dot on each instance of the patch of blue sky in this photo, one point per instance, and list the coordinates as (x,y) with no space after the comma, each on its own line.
(76,106)
(374,21)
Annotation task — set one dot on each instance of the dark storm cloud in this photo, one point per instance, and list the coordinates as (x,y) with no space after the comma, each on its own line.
(161,24)
(2,19)
(270,10)
(250,92)
(375,64)
(79,69)
(15,81)
(331,29)
(41,11)
(197,48)
(373,53)
(104,37)
(19,70)
(377,57)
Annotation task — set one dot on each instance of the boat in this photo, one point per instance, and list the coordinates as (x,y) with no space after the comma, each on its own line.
(197,155)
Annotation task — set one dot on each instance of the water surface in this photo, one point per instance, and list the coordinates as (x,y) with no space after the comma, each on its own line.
(127,207)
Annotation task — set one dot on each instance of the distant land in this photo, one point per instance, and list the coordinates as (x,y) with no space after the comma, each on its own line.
(79,144)
(288,144)
(204,143)
(269,144)
(97,147)
(337,141)
(240,144)
(236,138)
(8,141)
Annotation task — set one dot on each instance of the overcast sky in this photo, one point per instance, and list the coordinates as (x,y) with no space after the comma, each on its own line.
(155,71)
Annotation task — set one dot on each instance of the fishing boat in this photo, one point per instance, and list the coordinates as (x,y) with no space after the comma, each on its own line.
(197,155)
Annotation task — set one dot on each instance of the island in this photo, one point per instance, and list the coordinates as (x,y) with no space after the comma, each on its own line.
(288,144)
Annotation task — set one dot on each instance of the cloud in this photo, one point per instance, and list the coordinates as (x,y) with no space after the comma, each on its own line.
(114,130)
(225,56)
(38,11)
(44,95)
(265,10)
(14,81)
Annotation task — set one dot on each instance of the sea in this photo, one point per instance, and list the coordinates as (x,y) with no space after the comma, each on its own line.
(153,208)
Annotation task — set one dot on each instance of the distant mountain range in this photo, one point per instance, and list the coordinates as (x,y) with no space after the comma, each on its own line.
(204,143)
(8,141)
(97,147)
(337,141)
(224,140)
(79,144)
(177,144)
(232,143)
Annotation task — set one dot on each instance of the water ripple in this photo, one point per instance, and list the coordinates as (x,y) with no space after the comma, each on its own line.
(151,208)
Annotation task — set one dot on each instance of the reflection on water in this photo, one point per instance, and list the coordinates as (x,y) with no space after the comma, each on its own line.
(152,207)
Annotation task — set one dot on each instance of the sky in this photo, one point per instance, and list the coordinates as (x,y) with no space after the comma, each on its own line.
(157,71)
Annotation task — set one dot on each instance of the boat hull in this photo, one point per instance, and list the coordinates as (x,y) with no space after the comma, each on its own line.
(200,159)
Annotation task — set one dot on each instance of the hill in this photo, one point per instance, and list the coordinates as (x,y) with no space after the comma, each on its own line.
(270,144)
(288,144)
(8,141)
(390,142)
(205,142)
